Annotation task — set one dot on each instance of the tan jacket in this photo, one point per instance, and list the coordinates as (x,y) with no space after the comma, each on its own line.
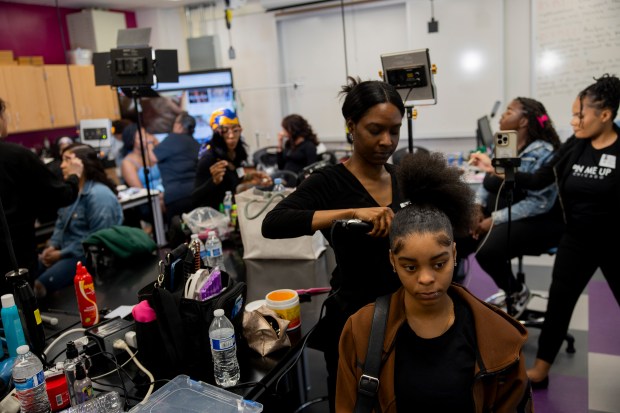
(500,382)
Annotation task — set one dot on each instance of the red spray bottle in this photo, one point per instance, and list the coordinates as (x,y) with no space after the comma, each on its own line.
(85,292)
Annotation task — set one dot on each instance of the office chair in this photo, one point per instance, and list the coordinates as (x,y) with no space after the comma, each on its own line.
(529,318)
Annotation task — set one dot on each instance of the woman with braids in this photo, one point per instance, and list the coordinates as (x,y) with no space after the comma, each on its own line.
(585,169)
(443,350)
(536,220)
(363,187)
(95,208)
(299,150)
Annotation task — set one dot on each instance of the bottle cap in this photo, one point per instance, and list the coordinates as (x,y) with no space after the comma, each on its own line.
(228,193)
(72,351)
(218,313)
(21,350)
(21,274)
(234,207)
(194,236)
(7,300)
(210,233)
(80,269)
(277,181)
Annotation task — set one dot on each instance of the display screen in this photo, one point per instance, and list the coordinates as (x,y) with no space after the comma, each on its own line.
(484,132)
(198,93)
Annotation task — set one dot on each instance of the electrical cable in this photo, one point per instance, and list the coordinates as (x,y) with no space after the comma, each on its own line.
(121,344)
(60,337)
(114,371)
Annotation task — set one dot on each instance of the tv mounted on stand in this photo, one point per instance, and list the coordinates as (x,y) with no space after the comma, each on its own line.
(199,93)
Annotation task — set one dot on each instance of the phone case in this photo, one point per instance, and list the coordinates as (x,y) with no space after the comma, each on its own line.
(505,146)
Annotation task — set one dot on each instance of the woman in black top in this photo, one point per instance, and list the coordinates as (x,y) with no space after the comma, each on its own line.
(362,187)
(221,167)
(585,168)
(299,150)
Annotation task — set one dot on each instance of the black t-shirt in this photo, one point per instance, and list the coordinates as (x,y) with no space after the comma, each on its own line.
(437,374)
(590,186)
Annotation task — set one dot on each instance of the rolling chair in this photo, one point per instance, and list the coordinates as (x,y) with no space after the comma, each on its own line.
(289,178)
(529,318)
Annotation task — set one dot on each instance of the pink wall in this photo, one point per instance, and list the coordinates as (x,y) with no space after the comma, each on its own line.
(31,30)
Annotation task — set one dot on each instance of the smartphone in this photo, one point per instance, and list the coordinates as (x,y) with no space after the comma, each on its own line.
(505,147)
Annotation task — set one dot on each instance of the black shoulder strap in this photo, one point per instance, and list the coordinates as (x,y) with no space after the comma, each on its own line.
(368,386)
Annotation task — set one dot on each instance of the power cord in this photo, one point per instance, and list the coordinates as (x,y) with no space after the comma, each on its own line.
(122,345)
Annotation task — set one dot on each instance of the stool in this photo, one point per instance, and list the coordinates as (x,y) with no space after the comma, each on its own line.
(530,318)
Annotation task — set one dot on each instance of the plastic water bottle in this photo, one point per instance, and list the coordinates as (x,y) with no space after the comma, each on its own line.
(215,255)
(13,329)
(203,251)
(228,201)
(223,350)
(277,185)
(30,382)
(104,403)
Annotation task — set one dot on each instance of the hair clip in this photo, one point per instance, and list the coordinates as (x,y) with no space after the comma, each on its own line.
(542,119)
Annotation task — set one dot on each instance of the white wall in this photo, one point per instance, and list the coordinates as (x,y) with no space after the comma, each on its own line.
(257,71)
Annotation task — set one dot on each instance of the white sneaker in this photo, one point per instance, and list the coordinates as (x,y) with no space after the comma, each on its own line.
(520,301)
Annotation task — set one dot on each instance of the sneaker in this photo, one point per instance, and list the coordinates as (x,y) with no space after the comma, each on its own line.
(520,301)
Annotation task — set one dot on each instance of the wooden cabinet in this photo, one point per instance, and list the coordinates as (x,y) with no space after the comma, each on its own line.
(24,92)
(53,96)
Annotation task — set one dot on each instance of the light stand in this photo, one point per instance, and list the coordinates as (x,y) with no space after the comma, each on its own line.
(510,166)
(410,127)
(134,92)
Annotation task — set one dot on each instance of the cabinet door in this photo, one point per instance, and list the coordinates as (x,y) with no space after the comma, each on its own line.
(93,102)
(59,95)
(25,91)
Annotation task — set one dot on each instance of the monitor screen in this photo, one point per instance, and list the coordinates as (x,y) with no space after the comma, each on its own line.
(198,93)
(484,133)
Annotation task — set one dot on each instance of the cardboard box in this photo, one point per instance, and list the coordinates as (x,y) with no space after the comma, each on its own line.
(8,63)
(37,60)
(24,60)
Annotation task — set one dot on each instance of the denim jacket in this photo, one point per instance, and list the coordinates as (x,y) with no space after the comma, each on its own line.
(95,208)
(536,202)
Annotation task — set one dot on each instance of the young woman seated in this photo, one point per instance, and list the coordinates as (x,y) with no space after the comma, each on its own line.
(443,350)
(95,208)
(297,144)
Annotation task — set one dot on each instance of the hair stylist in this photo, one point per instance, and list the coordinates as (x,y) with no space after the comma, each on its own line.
(363,187)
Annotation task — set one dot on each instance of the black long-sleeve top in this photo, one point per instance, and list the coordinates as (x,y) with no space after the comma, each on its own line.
(560,167)
(364,260)
(208,193)
(295,159)
(28,189)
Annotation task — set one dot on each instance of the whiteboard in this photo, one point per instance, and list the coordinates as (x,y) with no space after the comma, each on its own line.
(468,52)
(573,41)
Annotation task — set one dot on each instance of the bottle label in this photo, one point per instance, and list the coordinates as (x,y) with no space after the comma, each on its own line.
(223,343)
(216,252)
(37,316)
(29,382)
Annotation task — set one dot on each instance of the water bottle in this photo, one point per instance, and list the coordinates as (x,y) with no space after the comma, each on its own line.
(203,251)
(215,255)
(13,329)
(223,350)
(104,403)
(71,361)
(277,185)
(228,201)
(30,382)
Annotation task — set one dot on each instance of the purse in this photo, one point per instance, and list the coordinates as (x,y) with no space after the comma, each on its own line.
(177,340)
(265,331)
(252,207)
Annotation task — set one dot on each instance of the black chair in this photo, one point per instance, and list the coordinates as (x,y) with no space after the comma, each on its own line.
(265,158)
(530,318)
(400,153)
(289,178)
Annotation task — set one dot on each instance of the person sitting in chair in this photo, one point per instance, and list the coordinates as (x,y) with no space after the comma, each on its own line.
(95,208)
(221,166)
(536,220)
(443,349)
(300,147)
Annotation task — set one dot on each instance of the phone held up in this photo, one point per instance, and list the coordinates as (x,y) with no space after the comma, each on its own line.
(505,147)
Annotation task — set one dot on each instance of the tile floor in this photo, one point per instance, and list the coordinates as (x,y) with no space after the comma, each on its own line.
(587,381)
